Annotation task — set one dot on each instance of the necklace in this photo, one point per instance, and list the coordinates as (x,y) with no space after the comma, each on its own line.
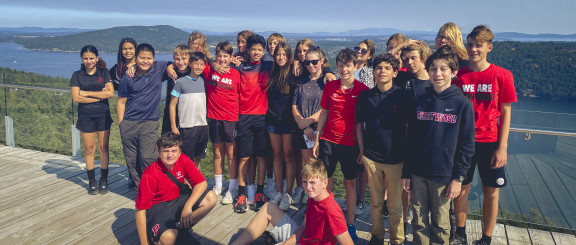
(344,89)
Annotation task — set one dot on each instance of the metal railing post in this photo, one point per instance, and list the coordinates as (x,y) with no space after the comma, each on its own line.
(9,126)
(76,142)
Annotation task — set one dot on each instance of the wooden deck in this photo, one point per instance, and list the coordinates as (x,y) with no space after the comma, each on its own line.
(44,201)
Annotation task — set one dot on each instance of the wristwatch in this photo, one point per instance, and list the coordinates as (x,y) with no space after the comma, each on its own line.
(460,179)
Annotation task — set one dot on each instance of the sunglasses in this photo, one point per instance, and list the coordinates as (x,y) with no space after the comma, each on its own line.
(361,50)
(308,62)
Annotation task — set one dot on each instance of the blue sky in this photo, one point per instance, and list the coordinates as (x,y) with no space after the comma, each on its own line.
(534,17)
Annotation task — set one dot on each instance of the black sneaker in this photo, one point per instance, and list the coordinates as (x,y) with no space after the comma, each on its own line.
(376,241)
(259,201)
(458,240)
(385,212)
(480,242)
(131,184)
(103,186)
(240,204)
(92,187)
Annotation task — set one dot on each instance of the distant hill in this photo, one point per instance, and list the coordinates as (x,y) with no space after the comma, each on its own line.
(38,31)
(163,38)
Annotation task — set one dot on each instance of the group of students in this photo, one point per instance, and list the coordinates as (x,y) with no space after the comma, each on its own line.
(409,123)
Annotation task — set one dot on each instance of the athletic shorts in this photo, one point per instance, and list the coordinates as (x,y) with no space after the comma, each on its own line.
(299,137)
(483,152)
(284,229)
(332,153)
(279,129)
(94,124)
(194,141)
(164,216)
(251,136)
(221,131)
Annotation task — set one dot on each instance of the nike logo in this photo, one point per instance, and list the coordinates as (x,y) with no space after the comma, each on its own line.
(354,96)
(449,109)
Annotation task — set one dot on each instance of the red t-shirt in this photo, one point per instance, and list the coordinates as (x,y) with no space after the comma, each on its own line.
(340,128)
(156,187)
(324,221)
(222,98)
(253,87)
(487,90)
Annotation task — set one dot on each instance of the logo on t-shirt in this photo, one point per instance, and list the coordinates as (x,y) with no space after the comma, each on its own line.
(179,174)
(100,79)
(155,229)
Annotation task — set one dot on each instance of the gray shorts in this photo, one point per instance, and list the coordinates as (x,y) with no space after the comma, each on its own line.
(284,229)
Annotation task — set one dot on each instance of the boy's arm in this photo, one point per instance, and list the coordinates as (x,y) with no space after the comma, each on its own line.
(120,108)
(321,122)
(464,150)
(500,156)
(360,140)
(173,124)
(344,239)
(140,216)
(186,219)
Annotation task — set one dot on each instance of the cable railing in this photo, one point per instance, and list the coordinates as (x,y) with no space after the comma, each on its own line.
(541,158)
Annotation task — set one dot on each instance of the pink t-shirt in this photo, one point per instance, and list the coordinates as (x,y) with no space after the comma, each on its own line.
(487,90)
(340,128)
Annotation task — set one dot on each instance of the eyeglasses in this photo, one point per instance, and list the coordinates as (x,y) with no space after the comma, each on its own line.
(308,62)
(361,50)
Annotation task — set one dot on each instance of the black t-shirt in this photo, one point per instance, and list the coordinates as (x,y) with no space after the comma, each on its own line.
(279,107)
(94,82)
(417,87)
(384,115)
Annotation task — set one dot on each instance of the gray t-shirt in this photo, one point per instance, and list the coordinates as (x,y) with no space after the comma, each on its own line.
(307,96)
(191,95)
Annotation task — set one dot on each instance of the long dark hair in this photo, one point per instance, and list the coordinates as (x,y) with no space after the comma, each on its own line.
(89,48)
(280,78)
(120,61)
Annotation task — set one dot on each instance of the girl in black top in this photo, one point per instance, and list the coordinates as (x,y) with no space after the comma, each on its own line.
(91,87)
(126,58)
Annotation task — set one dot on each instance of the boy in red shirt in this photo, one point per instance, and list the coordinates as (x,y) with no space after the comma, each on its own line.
(491,90)
(161,203)
(327,223)
(336,139)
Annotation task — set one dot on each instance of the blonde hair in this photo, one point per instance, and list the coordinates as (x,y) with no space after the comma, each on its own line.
(315,168)
(421,47)
(398,37)
(182,49)
(305,41)
(196,35)
(275,36)
(454,34)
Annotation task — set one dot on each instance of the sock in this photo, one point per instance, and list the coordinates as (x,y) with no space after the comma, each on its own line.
(241,190)
(218,179)
(461,231)
(104,173)
(233,185)
(260,188)
(486,239)
(91,175)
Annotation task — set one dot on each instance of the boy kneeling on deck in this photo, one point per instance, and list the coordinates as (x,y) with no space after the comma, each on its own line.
(164,200)
(327,222)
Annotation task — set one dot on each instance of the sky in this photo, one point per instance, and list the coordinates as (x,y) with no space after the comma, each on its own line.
(532,17)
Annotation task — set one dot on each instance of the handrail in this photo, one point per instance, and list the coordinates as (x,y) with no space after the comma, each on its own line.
(7,85)
(539,131)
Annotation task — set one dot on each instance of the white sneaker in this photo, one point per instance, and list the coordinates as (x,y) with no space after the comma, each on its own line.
(305,198)
(275,198)
(217,190)
(285,202)
(360,206)
(297,195)
(251,193)
(229,197)
(270,189)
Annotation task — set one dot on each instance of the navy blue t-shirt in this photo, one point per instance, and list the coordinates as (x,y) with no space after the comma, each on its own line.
(143,93)
(385,115)
(95,82)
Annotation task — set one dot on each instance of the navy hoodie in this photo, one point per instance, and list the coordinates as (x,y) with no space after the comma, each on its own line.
(440,135)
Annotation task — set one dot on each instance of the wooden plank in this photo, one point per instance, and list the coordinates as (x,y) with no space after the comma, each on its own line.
(499,235)
(564,239)
(517,235)
(123,217)
(540,237)
(473,230)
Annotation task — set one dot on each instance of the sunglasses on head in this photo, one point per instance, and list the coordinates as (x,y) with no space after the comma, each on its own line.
(361,50)
(308,62)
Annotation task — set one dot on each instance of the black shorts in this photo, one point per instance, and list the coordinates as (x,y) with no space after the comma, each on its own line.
(251,138)
(332,153)
(164,216)
(221,131)
(299,142)
(483,152)
(94,124)
(194,141)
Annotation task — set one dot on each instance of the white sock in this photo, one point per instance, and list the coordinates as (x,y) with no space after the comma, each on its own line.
(233,184)
(218,179)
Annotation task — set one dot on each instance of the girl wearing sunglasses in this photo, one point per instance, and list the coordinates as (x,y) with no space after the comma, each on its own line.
(300,69)
(363,71)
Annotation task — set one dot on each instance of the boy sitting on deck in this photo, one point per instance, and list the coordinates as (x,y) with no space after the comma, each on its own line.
(164,200)
(327,223)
